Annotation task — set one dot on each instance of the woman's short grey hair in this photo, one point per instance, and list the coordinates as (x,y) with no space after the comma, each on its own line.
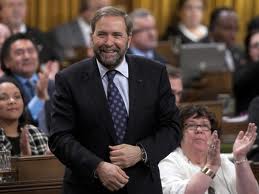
(112,11)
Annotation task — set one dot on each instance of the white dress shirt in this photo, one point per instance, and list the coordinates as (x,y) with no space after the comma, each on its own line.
(120,80)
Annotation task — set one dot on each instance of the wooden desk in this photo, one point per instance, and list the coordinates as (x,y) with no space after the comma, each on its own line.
(35,175)
(209,87)
(164,48)
(233,128)
(230,130)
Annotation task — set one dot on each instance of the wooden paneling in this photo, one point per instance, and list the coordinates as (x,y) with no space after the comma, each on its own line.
(46,14)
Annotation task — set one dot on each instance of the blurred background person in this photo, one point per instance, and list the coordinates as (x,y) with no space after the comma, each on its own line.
(4,34)
(253,24)
(187,23)
(144,35)
(223,28)
(76,34)
(252,46)
(197,165)
(13,14)
(176,83)
(16,135)
(20,61)
(246,76)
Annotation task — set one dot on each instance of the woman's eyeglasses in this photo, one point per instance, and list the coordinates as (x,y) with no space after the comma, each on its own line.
(194,127)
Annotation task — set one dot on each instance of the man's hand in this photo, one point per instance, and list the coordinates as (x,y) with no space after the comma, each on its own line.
(111,176)
(125,155)
(51,68)
(42,86)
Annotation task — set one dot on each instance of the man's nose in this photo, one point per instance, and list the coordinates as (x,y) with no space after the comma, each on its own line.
(26,54)
(109,40)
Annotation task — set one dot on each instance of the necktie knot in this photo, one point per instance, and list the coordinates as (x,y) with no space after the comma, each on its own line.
(111,74)
(30,88)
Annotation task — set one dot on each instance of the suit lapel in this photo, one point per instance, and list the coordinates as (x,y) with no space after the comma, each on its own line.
(134,84)
(92,81)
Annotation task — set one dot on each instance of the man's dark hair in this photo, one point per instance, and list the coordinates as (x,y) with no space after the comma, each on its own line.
(139,13)
(247,43)
(253,24)
(112,11)
(215,16)
(180,4)
(84,5)
(198,111)
(6,49)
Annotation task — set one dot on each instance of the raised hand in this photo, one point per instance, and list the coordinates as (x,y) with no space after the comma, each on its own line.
(213,156)
(244,141)
(25,143)
(111,176)
(125,155)
(51,68)
(42,86)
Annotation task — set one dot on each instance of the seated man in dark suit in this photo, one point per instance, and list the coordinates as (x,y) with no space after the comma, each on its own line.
(223,28)
(13,14)
(20,61)
(144,35)
(176,82)
(76,34)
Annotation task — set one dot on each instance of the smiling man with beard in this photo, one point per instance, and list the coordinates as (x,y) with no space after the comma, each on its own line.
(114,116)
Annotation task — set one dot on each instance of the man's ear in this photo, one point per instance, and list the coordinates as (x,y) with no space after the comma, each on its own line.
(7,63)
(129,41)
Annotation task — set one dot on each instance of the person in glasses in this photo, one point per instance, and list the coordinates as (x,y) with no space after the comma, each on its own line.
(197,166)
(144,35)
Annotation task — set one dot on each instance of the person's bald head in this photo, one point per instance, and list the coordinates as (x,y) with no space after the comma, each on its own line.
(4,34)
(87,8)
(224,25)
(13,12)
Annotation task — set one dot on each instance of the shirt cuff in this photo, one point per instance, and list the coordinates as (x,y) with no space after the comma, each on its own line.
(35,106)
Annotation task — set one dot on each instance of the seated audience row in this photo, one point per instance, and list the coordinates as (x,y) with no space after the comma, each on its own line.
(20,61)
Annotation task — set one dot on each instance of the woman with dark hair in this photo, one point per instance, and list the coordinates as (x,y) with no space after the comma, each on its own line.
(252,46)
(15,135)
(197,166)
(187,25)
(246,76)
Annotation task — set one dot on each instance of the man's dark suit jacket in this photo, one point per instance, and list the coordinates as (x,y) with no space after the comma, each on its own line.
(68,36)
(82,127)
